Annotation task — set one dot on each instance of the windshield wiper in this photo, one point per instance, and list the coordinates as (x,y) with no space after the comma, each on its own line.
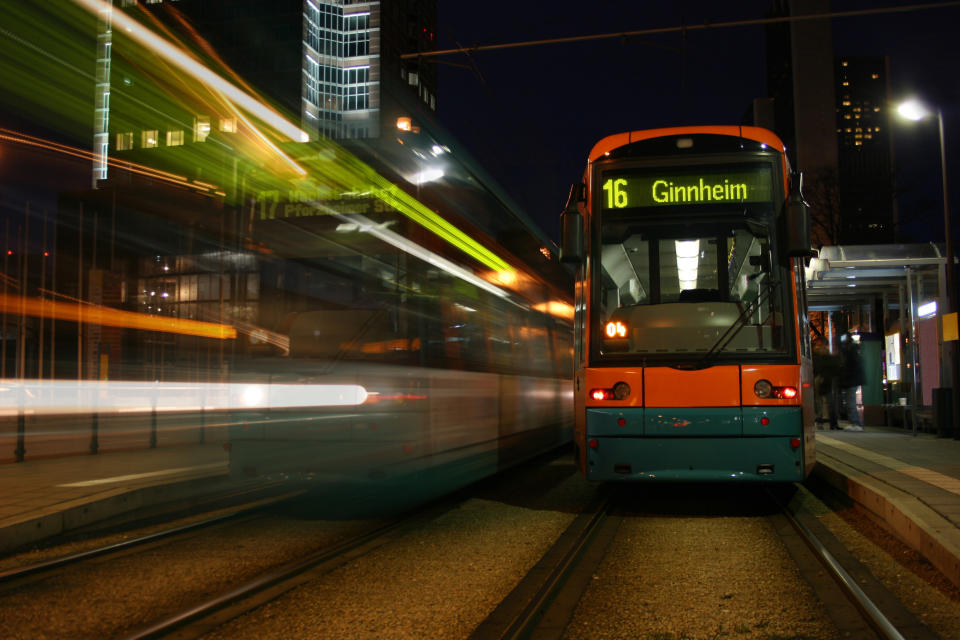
(762,296)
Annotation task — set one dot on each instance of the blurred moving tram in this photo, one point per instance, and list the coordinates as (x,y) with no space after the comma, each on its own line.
(388,313)
(424,286)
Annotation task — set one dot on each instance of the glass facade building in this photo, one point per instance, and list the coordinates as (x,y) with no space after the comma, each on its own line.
(340,69)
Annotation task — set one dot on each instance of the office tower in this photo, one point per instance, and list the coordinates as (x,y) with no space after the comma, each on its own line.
(328,65)
(867,205)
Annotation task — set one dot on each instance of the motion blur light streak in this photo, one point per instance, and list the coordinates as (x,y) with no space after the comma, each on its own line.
(556,308)
(176,57)
(398,241)
(106,316)
(133,167)
(36,397)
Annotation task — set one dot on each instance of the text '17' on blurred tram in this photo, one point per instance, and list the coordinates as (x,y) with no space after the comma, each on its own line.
(692,347)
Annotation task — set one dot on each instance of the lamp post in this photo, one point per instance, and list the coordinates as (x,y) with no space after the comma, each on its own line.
(915,110)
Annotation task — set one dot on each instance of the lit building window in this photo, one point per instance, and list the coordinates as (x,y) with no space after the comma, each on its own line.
(846,116)
(857,142)
(845,103)
(875,76)
(201,128)
(228,125)
(845,63)
(846,84)
(125,141)
(876,109)
(148,138)
(175,138)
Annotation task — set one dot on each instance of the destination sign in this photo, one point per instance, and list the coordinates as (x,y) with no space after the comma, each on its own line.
(643,188)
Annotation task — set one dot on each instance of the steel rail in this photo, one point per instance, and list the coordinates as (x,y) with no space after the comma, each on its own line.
(871,613)
(280,580)
(512,621)
(17,573)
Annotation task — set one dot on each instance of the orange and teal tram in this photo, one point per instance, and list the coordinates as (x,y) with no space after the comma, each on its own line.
(692,352)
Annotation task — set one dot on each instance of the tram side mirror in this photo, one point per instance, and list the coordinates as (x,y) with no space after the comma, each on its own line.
(571,227)
(797,220)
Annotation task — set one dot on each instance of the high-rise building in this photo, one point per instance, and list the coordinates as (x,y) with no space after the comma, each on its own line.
(867,203)
(831,114)
(324,63)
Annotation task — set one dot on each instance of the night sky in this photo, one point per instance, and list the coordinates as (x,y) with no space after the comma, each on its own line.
(531,115)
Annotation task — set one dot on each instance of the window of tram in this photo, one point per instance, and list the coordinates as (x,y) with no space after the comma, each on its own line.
(667,290)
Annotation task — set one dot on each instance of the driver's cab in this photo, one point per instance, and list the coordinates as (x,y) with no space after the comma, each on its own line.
(667,291)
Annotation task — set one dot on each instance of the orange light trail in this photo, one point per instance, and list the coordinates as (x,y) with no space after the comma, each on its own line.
(31,141)
(109,317)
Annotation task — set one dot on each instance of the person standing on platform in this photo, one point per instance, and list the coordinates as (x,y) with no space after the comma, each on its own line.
(826,369)
(852,377)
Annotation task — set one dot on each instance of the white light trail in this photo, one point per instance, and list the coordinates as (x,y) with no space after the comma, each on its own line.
(35,397)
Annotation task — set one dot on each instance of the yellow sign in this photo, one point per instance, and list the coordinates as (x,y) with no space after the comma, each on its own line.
(950,326)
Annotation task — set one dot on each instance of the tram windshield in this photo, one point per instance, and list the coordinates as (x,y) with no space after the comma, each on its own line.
(676,289)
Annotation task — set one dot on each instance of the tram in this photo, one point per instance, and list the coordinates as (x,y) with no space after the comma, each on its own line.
(692,350)
(427,288)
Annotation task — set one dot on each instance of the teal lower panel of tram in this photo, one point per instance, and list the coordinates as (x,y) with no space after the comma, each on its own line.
(718,444)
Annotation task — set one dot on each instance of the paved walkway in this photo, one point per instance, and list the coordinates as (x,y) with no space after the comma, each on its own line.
(40,498)
(911,482)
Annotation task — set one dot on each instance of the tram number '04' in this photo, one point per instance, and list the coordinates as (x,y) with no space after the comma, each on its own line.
(616,194)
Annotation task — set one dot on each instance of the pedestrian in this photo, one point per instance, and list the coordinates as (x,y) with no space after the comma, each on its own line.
(852,377)
(826,370)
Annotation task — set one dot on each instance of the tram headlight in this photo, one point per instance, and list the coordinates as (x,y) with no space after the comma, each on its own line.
(763,389)
(621,391)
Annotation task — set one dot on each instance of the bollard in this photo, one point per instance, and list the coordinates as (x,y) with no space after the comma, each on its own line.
(95,433)
(21,451)
(943,411)
(153,428)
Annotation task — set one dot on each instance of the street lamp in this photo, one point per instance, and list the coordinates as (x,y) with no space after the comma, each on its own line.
(915,110)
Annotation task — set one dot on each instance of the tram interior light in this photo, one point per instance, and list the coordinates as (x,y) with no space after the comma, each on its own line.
(688,252)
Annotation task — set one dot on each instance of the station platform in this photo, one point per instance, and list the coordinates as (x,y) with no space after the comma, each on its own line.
(45,497)
(910,483)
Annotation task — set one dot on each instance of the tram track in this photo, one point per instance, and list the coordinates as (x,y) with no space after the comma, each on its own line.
(543,604)
(196,620)
(256,503)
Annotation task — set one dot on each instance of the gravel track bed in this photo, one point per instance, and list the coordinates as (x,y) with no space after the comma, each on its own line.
(927,593)
(698,577)
(437,582)
(109,596)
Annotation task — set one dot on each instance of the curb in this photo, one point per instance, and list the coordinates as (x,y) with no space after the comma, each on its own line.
(904,515)
(81,512)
